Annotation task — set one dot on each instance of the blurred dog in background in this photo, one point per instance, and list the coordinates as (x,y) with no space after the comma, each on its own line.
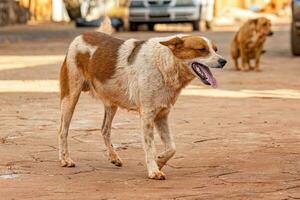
(248,43)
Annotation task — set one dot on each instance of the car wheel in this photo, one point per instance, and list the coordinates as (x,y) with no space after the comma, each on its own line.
(150,27)
(196,25)
(133,26)
(295,40)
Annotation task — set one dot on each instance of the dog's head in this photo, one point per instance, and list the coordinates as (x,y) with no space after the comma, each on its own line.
(263,26)
(198,54)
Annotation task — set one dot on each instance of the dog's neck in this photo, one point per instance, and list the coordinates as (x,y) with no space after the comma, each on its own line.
(176,74)
(183,78)
(184,75)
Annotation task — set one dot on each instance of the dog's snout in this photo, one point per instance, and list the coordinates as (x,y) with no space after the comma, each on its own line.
(222,62)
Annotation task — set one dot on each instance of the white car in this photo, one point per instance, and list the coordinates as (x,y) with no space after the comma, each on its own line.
(151,12)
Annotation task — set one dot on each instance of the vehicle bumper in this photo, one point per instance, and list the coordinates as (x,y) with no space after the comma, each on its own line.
(164,15)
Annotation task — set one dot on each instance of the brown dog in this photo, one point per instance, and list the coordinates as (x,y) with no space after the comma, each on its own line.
(249,41)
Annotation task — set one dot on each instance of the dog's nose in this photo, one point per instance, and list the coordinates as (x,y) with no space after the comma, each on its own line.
(270,33)
(222,62)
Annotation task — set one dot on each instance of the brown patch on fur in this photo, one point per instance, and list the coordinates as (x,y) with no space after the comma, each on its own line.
(82,61)
(102,64)
(137,46)
(188,47)
(162,113)
(92,38)
(172,42)
(64,80)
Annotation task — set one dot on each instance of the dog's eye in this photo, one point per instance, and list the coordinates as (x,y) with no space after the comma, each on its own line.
(202,49)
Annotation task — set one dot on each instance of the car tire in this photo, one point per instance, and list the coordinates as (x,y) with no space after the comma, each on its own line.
(196,25)
(150,26)
(295,40)
(133,26)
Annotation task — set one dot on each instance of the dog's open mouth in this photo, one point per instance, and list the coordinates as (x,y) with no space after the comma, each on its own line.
(204,74)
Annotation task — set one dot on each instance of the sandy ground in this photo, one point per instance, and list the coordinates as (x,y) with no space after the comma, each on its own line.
(241,141)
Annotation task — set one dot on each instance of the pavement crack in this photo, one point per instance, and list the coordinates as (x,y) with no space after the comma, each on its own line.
(280,189)
(205,140)
(196,167)
(224,174)
(292,197)
(184,196)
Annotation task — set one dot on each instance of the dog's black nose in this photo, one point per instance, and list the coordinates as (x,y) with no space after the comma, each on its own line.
(222,62)
(270,33)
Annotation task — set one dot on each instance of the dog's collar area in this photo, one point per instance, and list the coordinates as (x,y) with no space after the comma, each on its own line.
(204,74)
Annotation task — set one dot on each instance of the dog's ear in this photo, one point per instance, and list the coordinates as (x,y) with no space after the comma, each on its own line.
(214,46)
(172,43)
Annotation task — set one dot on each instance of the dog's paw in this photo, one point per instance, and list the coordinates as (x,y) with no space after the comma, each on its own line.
(67,162)
(258,70)
(245,70)
(117,162)
(159,175)
(114,159)
(160,164)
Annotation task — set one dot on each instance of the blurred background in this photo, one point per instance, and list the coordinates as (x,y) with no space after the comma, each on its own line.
(128,15)
(240,141)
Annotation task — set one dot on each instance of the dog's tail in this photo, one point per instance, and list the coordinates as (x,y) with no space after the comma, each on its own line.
(106,26)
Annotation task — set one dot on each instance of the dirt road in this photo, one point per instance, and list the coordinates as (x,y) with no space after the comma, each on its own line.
(241,141)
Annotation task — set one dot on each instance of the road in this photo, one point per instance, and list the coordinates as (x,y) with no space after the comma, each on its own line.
(241,141)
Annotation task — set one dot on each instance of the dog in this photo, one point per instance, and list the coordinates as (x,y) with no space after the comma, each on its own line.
(142,76)
(248,43)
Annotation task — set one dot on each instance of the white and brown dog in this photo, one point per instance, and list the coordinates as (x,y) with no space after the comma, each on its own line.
(143,76)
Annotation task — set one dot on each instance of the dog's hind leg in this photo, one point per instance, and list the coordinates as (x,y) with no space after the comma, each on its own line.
(70,89)
(161,125)
(109,114)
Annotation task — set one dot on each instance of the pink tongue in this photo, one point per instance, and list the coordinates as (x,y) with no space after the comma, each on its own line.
(210,78)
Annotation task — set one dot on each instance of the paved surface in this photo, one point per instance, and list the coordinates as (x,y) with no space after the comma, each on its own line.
(239,142)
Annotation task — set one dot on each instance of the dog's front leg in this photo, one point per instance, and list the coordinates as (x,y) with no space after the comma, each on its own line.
(162,128)
(244,56)
(257,59)
(149,147)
